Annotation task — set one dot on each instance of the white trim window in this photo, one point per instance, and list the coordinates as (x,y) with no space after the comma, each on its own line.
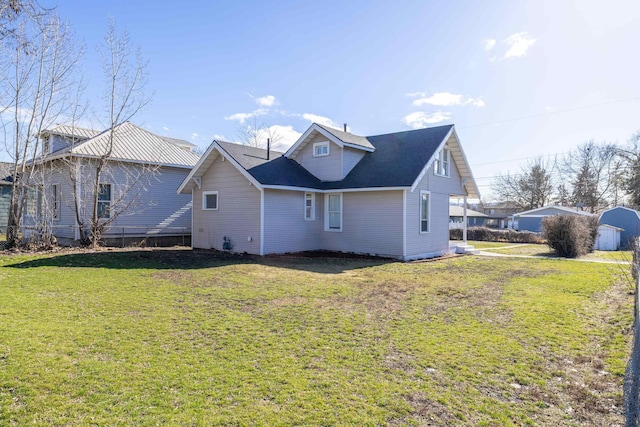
(55,201)
(309,206)
(442,163)
(209,200)
(105,194)
(333,212)
(425,202)
(321,149)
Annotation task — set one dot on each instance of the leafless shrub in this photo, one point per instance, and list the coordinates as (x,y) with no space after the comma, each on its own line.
(570,236)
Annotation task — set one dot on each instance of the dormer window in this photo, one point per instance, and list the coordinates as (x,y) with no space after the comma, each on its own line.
(441,166)
(321,149)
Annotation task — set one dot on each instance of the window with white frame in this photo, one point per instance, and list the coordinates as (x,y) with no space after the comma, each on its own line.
(210,200)
(104,200)
(309,206)
(55,201)
(333,212)
(424,211)
(441,166)
(33,202)
(321,149)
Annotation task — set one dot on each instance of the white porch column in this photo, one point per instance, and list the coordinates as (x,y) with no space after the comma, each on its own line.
(464,221)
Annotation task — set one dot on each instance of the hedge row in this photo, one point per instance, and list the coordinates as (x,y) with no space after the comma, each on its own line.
(485,234)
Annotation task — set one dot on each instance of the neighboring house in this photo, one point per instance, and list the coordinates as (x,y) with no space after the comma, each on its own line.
(137,186)
(499,214)
(6,180)
(531,220)
(474,218)
(386,195)
(608,238)
(625,218)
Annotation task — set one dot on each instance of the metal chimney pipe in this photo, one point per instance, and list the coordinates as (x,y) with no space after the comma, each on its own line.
(268,147)
(345,127)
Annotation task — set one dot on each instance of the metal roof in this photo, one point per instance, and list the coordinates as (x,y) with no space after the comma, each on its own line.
(459,211)
(131,143)
(72,131)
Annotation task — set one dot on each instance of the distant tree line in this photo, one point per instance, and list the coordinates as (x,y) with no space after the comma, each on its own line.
(593,176)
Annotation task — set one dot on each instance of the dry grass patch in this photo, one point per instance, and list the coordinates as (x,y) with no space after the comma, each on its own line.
(137,339)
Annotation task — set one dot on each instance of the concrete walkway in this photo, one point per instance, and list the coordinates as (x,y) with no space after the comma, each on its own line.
(601,261)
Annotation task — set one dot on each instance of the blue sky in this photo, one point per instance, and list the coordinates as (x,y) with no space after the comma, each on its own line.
(518,79)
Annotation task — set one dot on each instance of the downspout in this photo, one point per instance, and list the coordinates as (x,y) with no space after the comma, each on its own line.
(464,221)
(464,213)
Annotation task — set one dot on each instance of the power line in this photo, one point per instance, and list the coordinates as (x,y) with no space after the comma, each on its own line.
(550,113)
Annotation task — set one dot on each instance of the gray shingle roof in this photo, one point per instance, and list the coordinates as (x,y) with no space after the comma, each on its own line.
(397,161)
(132,143)
(6,177)
(347,137)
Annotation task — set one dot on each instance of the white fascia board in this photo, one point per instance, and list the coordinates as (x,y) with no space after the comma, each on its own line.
(197,166)
(464,157)
(431,160)
(359,147)
(313,128)
(242,170)
(336,190)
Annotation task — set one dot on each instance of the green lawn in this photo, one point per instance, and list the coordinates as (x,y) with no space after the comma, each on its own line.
(544,250)
(180,338)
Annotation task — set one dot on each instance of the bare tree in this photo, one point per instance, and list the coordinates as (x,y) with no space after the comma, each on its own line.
(531,188)
(631,169)
(124,69)
(590,170)
(34,85)
(255,133)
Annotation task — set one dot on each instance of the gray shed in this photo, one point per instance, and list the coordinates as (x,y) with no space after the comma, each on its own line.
(608,238)
(625,218)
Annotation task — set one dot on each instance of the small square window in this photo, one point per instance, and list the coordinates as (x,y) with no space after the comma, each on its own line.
(210,201)
(441,166)
(321,149)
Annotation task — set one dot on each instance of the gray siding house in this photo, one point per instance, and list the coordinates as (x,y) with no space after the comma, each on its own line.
(6,181)
(138,183)
(386,195)
(625,218)
(531,220)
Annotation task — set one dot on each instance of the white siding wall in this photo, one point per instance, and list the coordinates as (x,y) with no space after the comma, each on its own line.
(350,158)
(371,223)
(285,227)
(436,241)
(57,142)
(152,204)
(238,214)
(156,209)
(325,168)
(55,173)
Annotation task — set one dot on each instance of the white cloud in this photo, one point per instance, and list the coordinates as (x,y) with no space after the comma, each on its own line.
(165,128)
(219,137)
(285,136)
(518,44)
(242,117)
(420,119)
(489,44)
(447,99)
(320,120)
(194,135)
(267,101)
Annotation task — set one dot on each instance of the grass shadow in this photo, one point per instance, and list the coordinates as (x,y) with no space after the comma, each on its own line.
(185,259)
